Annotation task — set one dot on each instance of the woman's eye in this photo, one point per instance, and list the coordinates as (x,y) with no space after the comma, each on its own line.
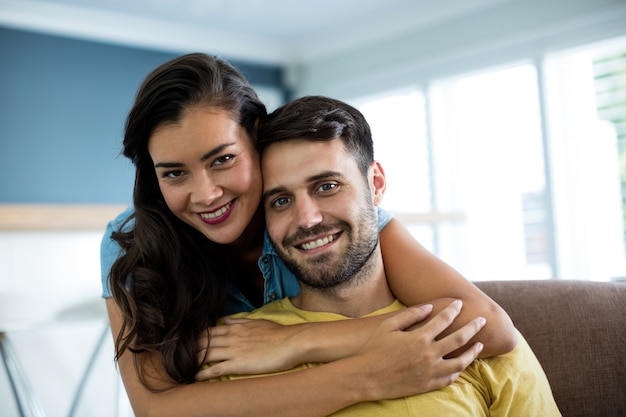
(223,160)
(279,202)
(173,174)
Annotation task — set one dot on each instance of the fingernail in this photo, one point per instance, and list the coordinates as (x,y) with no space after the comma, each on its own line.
(426,307)
(458,304)
(482,321)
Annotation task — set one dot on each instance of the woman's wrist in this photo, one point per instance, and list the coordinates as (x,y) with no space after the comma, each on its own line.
(327,341)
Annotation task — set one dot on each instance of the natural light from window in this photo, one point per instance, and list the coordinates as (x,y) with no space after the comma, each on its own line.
(506,173)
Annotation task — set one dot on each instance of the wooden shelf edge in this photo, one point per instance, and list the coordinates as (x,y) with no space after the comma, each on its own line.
(57,216)
(434,217)
(96,216)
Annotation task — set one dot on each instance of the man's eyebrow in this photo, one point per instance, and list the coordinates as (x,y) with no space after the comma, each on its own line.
(269,193)
(313,178)
(203,158)
(324,175)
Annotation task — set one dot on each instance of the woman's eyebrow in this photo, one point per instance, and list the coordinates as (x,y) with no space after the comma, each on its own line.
(215,151)
(203,158)
(168,165)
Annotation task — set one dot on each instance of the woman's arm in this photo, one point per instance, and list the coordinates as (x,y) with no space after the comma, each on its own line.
(416,276)
(257,346)
(373,373)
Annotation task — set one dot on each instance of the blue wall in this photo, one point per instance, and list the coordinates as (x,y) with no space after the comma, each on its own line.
(63,105)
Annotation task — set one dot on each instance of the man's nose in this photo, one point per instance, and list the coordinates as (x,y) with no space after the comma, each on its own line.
(205,190)
(308,212)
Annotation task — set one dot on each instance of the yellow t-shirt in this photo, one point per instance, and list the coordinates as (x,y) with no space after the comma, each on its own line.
(512,384)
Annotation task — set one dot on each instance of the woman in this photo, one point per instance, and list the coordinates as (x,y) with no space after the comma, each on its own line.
(190,253)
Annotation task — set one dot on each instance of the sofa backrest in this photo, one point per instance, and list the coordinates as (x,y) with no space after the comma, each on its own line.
(577,329)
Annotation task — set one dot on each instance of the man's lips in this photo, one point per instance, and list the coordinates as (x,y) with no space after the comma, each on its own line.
(316,243)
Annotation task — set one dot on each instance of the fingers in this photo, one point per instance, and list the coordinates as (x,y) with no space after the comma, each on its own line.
(452,368)
(224,329)
(462,336)
(443,319)
(454,342)
(219,330)
(209,344)
(468,356)
(209,372)
(203,346)
(408,317)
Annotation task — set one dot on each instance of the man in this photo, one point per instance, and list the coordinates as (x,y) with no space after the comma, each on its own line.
(321,189)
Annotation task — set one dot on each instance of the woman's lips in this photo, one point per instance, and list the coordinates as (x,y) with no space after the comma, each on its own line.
(217,216)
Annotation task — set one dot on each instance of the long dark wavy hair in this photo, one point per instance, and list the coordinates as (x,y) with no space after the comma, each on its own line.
(169,283)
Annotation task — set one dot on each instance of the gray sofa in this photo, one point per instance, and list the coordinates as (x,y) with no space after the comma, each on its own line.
(577,329)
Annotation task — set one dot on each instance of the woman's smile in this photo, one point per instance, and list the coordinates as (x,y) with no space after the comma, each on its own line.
(218,216)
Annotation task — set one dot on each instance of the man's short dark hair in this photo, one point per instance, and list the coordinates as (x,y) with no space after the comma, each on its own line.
(319,118)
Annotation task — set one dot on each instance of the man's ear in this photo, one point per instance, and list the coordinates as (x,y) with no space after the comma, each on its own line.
(377,182)
(257,125)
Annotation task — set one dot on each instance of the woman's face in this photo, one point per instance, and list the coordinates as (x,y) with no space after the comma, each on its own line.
(208,171)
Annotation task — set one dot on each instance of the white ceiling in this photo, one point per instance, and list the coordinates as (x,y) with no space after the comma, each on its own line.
(273,31)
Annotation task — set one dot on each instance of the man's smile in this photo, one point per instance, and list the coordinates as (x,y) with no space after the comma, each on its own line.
(317,243)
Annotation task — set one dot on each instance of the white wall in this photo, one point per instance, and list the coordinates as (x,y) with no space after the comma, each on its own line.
(50,283)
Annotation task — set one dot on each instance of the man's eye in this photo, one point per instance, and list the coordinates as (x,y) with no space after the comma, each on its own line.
(223,159)
(327,187)
(279,202)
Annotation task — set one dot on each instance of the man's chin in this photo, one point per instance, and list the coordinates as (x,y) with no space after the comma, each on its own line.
(321,276)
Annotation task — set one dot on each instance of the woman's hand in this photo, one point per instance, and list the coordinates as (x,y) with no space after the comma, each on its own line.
(404,359)
(248,347)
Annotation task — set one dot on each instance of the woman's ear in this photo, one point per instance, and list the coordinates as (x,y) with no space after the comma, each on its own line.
(377,182)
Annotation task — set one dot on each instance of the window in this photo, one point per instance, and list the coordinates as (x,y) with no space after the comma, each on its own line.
(584,154)
(609,68)
(399,128)
(511,173)
(487,146)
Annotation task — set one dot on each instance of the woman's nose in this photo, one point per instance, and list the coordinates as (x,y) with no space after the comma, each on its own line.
(205,190)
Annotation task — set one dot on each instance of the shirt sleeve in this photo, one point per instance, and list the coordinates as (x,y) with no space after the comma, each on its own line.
(110,250)
(517,384)
(383,218)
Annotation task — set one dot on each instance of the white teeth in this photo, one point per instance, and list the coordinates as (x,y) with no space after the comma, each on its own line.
(317,243)
(216,213)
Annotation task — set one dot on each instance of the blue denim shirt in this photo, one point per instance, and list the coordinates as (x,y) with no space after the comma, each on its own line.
(279,280)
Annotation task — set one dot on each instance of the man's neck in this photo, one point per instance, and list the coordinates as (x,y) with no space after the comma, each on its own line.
(358,296)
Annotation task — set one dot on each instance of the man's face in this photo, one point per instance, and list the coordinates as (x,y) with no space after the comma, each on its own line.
(319,209)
